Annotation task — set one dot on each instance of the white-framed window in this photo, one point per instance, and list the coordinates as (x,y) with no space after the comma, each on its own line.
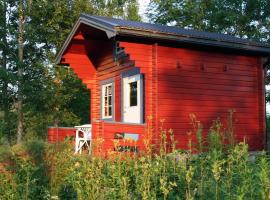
(107,101)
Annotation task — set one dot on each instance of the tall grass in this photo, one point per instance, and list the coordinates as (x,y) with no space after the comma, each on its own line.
(214,167)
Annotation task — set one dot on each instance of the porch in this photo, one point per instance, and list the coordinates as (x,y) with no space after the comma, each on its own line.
(104,137)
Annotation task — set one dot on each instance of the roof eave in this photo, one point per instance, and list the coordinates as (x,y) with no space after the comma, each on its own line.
(193,40)
(113,29)
(110,32)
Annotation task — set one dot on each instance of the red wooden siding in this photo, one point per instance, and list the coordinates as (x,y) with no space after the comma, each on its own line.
(137,55)
(104,66)
(77,58)
(144,56)
(177,82)
(110,129)
(60,134)
(208,84)
(108,68)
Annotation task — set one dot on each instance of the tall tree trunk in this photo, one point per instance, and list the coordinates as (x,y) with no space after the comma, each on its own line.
(20,71)
(5,83)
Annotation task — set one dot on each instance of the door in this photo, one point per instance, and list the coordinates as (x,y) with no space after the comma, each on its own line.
(133,99)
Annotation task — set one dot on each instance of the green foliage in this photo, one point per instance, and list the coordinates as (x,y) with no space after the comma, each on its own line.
(5,152)
(50,94)
(24,172)
(215,174)
(67,192)
(42,171)
(242,18)
(7,187)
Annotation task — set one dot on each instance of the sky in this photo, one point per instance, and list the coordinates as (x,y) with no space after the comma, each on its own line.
(142,8)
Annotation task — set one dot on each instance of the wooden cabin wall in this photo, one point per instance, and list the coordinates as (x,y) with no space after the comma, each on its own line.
(178,82)
(144,56)
(60,134)
(209,84)
(109,67)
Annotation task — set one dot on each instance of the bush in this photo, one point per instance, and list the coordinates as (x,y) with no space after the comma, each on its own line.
(220,169)
(25,176)
(67,192)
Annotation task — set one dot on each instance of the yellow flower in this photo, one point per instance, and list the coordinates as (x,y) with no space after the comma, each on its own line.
(77,164)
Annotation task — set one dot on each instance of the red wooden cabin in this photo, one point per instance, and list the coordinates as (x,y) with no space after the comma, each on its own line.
(135,70)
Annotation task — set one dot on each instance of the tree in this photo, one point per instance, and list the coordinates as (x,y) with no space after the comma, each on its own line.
(6,78)
(3,45)
(57,21)
(19,103)
(242,18)
(33,88)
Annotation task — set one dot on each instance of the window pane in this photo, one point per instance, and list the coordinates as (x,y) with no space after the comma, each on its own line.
(133,94)
(110,100)
(110,90)
(106,111)
(110,111)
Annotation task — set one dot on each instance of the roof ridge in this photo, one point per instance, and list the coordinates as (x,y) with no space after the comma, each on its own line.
(211,35)
(98,18)
(121,27)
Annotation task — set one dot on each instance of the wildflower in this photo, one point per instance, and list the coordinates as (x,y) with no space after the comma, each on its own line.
(77,164)
(189,174)
(173,184)
(217,169)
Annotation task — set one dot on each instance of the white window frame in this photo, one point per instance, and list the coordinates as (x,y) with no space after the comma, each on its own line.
(103,106)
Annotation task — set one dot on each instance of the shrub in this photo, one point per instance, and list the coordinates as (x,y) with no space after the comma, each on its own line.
(214,167)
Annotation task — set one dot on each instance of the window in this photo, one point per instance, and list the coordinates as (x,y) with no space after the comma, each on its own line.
(126,136)
(133,94)
(107,101)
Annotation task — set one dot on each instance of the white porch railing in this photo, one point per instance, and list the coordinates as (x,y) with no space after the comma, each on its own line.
(83,138)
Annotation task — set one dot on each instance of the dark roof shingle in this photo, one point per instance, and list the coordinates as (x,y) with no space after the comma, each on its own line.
(113,22)
(114,27)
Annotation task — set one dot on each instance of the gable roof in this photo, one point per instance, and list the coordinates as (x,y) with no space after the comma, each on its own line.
(117,27)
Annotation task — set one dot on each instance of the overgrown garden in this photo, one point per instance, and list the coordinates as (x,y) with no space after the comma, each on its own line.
(210,169)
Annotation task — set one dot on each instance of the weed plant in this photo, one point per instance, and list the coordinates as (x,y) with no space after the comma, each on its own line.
(214,167)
